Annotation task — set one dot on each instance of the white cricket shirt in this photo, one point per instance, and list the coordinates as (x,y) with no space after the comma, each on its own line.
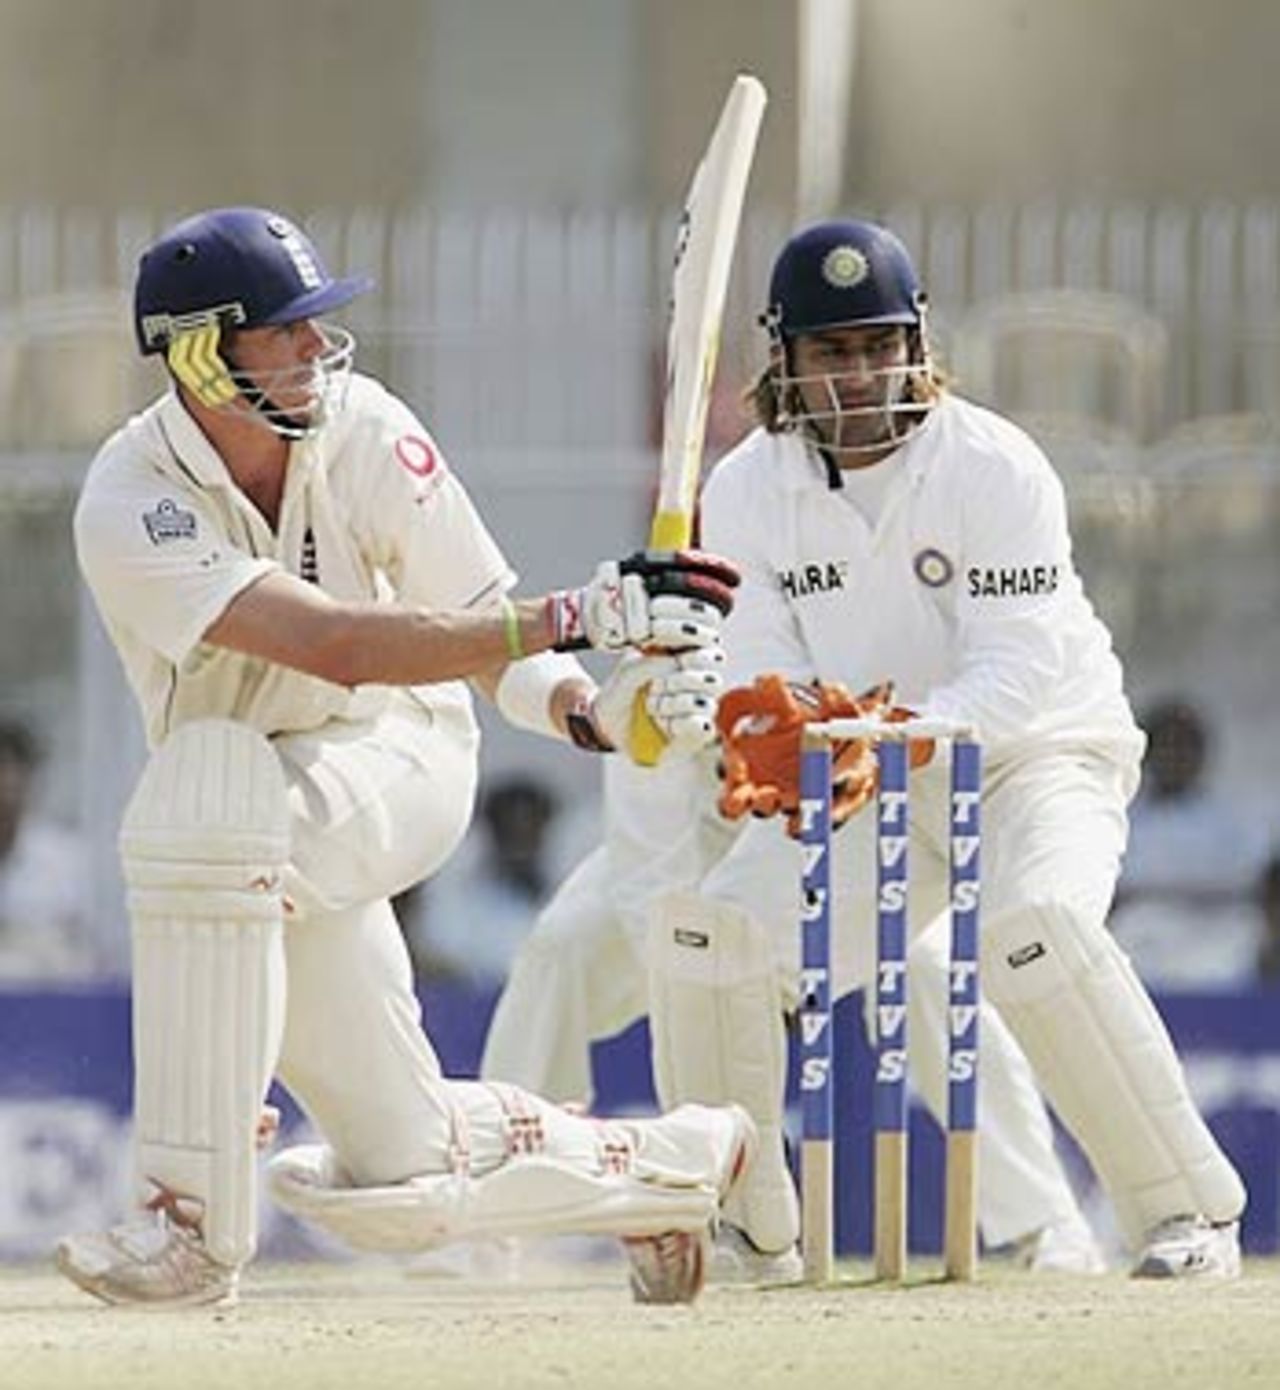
(165,541)
(963,593)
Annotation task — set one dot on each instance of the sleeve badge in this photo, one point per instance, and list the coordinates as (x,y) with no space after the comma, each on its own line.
(169,522)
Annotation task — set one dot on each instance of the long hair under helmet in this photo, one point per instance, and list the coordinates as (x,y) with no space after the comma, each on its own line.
(845,275)
(243,267)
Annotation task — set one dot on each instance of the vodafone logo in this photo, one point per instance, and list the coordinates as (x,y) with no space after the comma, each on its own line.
(417,455)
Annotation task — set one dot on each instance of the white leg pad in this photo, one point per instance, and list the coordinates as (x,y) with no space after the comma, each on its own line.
(1022,1186)
(635,1178)
(204,845)
(718,1036)
(1106,1063)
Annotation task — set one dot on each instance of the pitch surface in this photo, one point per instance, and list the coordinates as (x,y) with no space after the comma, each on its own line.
(341,1326)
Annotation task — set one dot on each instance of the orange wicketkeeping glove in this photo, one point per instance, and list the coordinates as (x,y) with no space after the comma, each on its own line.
(761,726)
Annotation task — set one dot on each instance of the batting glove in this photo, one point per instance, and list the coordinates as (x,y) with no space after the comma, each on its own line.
(677,692)
(668,599)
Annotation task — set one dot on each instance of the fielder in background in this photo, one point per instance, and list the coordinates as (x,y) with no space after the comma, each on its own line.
(580,976)
(298,588)
(887,529)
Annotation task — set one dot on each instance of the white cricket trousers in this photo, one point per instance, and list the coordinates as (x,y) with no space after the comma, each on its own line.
(376,808)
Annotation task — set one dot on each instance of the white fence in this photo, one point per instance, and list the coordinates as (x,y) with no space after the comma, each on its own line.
(514,329)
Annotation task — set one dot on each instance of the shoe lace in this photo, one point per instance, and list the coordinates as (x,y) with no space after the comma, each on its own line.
(169,1227)
(144,1238)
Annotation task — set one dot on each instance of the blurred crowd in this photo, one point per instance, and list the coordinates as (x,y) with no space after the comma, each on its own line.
(1197,905)
(1197,909)
(44,915)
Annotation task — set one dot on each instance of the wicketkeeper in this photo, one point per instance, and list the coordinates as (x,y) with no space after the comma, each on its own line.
(887,529)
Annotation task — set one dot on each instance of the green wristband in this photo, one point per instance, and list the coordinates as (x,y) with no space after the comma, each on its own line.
(511,622)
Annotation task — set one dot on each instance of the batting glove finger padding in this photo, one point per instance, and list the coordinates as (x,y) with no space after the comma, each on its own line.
(679,694)
(668,599)
(692,573)
(677,624)
(683,703)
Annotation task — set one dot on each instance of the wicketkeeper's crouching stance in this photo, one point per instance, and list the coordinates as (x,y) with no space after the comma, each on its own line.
(313,753)
(886,527)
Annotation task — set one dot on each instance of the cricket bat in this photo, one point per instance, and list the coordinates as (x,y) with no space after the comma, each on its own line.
(705,240)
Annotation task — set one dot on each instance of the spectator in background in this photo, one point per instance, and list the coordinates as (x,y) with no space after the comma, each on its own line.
(471,919)
(1186,906)
(42,873)
(1269,910)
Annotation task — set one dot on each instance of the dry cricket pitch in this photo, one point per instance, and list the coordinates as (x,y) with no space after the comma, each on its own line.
(349,1326)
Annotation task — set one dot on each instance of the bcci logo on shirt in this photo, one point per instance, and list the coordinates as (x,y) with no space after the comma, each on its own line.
(169,523)
(933,568)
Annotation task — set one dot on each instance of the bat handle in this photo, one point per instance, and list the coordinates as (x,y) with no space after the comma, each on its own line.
(644,739)
(671,530)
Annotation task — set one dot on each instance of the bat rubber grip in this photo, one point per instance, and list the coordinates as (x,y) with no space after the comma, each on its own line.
(670,531)
(644,740)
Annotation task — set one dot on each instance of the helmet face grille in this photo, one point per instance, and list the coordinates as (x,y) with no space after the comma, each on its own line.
(813,406)
(294,402)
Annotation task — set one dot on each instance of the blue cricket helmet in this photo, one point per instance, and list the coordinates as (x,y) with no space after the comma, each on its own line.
(840,274)
(237,267)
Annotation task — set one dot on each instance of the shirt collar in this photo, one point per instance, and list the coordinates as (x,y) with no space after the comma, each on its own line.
(187,441)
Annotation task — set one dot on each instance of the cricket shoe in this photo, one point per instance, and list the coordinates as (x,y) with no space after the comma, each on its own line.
(1190,1247)
(158,1261)
(672,1267)
(1065,1247)
(736,1259)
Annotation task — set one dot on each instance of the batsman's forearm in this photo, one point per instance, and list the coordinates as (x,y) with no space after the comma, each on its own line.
(385,645)
(284,620)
